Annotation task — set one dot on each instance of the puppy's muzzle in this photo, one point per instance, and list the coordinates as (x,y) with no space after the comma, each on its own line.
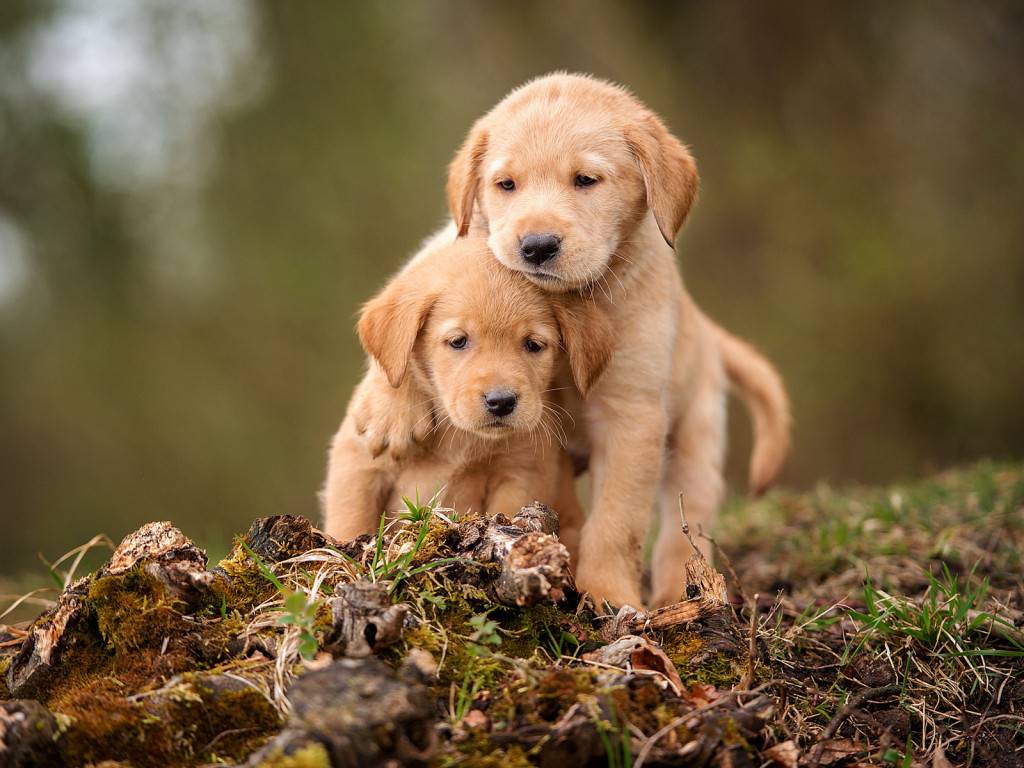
(537,249)
(500,402)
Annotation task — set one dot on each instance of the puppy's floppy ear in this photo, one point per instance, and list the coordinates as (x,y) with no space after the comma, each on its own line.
(586,337)
(391,321)
(464,177)
(670,173)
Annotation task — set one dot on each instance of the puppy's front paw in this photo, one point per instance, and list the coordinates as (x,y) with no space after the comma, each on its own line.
(603,587)
(397,429)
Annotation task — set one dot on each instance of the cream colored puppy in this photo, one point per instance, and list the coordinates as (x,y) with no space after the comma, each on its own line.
(582,189)
(479,348)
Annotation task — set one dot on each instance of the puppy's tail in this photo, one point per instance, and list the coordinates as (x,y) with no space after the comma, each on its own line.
(762,391)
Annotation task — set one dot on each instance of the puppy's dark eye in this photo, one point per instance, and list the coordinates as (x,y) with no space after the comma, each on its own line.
(507,184)
(582,180)
(533,346)
(459,342)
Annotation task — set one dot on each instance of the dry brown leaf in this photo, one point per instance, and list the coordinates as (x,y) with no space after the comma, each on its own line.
(939,759)
(640,654)
(835,750)
(701,695)
(784,755)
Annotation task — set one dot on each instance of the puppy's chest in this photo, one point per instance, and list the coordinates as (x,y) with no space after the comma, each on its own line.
(461,481)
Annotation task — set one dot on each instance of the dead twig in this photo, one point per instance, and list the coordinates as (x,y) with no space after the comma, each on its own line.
(748,678)
(727,562)
(686,528)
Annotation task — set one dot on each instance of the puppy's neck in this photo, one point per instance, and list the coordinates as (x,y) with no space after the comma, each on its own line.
(636,255)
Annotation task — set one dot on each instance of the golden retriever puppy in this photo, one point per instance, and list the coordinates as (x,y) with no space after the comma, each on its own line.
(479,347)
(582,189)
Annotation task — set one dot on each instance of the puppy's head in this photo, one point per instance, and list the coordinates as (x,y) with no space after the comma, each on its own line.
(482,341)
(563,169)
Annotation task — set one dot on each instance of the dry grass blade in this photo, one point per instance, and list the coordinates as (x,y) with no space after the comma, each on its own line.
(27,599)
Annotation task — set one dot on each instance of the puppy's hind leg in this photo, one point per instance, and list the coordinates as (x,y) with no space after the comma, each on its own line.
(693,468)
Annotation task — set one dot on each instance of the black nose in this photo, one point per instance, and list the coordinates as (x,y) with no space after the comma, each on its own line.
(500,402)
(537,249)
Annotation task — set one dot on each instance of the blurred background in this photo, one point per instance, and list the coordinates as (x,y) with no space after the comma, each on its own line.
(196,195)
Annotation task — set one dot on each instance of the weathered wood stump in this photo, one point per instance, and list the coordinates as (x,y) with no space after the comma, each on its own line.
(356,713)
(364,619)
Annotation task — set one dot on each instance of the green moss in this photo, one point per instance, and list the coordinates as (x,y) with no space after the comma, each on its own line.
(481,754)
(246,586)
(5,663)
(542,626)
(186,725)
(721,670)
(556,691)
(134,611)
(680,646)
(311,756)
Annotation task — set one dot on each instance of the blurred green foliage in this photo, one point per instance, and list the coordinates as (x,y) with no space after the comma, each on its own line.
(195,197)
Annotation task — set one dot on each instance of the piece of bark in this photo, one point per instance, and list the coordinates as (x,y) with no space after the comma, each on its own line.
(28,735)
(537,517)
(167,556)
(37,661)
(361,713)
(535,569)
(534,565)
(707,598)
(154,542)
(364,619)
(280,537)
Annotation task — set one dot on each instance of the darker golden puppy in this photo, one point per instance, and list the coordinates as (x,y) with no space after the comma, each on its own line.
(478,348)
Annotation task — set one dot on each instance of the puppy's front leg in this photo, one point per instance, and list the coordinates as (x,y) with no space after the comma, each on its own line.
(626,464)
(356,490)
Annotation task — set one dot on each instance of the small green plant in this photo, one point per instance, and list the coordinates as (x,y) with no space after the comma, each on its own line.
(560,643)
(300,612)
(485,630)
(463,697)
(398,570)
(415,512)
(615,739)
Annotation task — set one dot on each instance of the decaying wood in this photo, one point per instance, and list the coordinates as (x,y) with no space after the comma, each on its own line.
(280,537)
(28,735)
(534,565)
(157,543)
(162,551)
(535,569)
(364,619)
(37,660)
(707,598)
(360,713)
(167,556)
